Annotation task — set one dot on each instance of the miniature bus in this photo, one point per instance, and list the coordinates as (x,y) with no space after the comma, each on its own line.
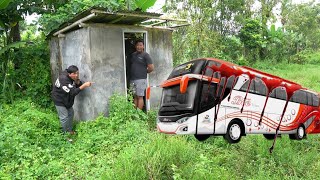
(211,97)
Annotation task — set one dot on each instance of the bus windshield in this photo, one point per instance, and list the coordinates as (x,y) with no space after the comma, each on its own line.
(173,102)
(192,67)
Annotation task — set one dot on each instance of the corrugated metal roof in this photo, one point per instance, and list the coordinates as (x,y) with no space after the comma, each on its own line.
(102,15)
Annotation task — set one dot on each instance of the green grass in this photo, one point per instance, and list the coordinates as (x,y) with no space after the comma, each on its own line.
(126,146)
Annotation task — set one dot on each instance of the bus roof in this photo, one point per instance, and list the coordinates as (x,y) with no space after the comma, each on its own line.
(253,71)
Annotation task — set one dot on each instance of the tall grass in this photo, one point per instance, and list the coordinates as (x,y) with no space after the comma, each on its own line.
(307,75)
(126,146)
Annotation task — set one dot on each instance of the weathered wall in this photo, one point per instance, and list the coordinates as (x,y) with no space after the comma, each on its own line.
(106,65)
(160,49)
(98,52)
(55,58)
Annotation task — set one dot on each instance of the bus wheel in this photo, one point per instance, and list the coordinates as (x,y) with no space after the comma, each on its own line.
(300,134)
(202,137)
(269,136)
(234,132)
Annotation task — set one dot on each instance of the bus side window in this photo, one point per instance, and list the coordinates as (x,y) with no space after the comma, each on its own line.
(315,100)
(209,71)
(299,97)
(309,96)
(220,87)
(256,87)
(244,87)
(208,95)
(279,93)
(230,82)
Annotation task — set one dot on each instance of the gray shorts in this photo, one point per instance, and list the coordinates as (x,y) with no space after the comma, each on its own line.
(138,86)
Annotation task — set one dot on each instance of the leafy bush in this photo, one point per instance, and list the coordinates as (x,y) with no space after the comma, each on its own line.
(314,58)
(232,47)
(121,110)
(300,58)
(33,76)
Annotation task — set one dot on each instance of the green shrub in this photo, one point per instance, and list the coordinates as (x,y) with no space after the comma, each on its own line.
(314,58)
(122,110)
(33,75)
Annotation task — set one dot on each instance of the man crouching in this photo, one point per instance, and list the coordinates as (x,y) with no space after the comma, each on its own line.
(66,87)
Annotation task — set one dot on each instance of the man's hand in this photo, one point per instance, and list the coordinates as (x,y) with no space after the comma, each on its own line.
(85,85)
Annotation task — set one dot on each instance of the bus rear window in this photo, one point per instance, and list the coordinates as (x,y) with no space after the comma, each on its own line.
(192,67)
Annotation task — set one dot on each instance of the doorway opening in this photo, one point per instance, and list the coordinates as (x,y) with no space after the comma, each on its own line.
(129,47)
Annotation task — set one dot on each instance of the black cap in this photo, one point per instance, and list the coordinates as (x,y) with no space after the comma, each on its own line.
(72,69)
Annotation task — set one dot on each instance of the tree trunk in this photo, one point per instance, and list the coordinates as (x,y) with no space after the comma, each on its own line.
(15,33)
(15,37)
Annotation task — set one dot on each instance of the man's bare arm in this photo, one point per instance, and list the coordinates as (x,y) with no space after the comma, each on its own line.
(150,68)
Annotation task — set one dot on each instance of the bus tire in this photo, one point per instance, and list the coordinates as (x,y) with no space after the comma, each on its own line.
(269,136)
(300,133)
(202,137)
(234,132)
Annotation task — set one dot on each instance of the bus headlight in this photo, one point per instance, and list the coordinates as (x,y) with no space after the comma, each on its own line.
(182,120)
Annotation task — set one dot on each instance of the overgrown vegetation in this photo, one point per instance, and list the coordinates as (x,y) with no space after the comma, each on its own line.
(126,146)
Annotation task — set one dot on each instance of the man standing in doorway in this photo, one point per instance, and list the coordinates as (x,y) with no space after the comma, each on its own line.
(141,64)
(66,87)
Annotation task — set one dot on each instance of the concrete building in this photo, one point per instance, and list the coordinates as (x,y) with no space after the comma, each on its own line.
(98,42)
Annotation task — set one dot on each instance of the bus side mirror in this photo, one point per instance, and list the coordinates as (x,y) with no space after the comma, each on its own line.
(184,84)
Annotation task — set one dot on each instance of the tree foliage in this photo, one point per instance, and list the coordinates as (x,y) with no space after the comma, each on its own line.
(213,23)
(64,13)
(251,36)
(304,20)
(224,29)
(51,21)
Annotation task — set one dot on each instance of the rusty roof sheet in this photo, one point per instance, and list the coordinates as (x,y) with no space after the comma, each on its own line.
(102,15)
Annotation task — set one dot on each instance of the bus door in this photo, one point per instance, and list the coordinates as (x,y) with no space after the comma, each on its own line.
(206,108)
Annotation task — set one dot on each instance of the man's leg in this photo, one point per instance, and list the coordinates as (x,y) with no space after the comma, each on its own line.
(70,120)
(64,118)
(141,86)
(140,102)
(133,91)
(135,100)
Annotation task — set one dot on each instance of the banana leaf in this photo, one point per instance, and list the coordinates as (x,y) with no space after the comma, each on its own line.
(145,4)
(4,3)
(12,45)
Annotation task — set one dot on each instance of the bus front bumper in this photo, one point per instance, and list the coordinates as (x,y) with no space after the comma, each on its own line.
(185,125)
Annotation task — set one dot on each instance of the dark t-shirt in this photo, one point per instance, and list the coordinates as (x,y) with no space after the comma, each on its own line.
(139,64)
